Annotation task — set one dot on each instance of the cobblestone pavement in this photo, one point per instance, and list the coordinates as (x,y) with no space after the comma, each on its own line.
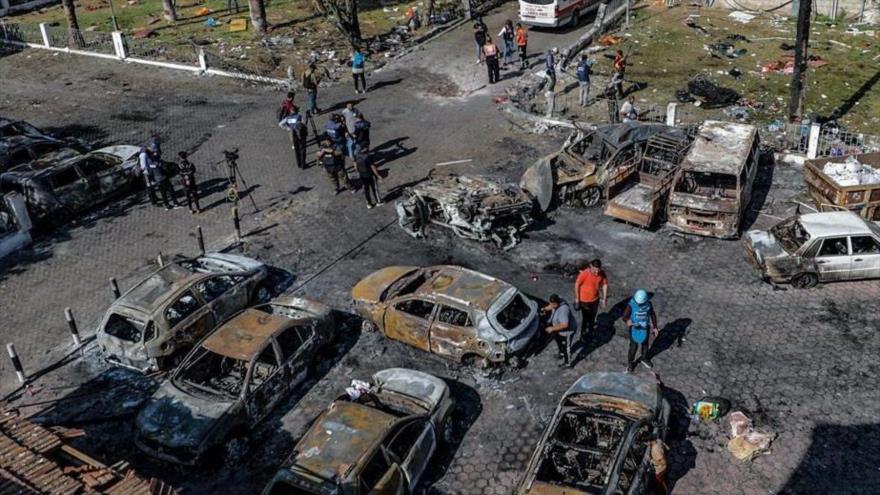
(801,364)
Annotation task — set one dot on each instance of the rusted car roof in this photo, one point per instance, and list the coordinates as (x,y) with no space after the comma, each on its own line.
(155,289)
(465,286)
(31,462)
(245,335)
(720,147)
(340,438)
(622,385)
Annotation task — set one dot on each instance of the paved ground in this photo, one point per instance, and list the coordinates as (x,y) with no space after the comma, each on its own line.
(800,363)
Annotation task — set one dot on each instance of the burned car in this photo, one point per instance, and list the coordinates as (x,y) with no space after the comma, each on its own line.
(57,190)
(598,439)
(448,310)
(13,128)
(21,150)
(377,439)
(713,185)
(817,247)
(15,224)
(175,306)
(577,173)
(233,379)
(472,207)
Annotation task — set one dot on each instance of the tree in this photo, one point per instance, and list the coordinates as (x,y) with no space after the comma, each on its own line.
(74,37)
(170,11)
(258,15)
(798,77)
(345,17)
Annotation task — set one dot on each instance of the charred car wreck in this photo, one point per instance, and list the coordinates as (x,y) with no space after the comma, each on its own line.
(448,310)
(472,207)
(577,174)
(598,439)
(232,379)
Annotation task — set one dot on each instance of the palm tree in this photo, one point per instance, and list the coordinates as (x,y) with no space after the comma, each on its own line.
(170,11)
(74,37)
(258,15)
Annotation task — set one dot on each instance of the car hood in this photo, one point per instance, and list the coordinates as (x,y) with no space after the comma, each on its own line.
(175,418)
(373,286)
(234,262)
(636,388)
(764,245)
(537,181)
(122,151)
(426,388)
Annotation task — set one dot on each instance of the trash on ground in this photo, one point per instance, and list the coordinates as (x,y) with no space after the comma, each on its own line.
(740,16)
(211,22)
(852,172)
(143,33)
(203,11)
(709,409)
(785,65)
(610,39)
(237,25)
(746,443)
(724,50)
(710,94)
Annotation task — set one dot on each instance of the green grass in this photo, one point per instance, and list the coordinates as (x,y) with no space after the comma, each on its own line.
(665,54)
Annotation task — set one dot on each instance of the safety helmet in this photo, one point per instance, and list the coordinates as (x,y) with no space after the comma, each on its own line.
(641,296)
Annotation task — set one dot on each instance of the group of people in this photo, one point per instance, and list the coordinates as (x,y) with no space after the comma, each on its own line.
(157,175)
(489,53)
(591,294)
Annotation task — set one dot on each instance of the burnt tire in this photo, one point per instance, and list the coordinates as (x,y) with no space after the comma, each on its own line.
(805,281)
(592,196)
(262,293)
(368,326)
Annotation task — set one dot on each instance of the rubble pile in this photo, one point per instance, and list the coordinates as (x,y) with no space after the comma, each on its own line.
(851,173)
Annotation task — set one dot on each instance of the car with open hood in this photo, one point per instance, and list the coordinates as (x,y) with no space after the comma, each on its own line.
(149,325)
(598,439)
(816,247)
(377,439)
(56,190)
(448,310)
(233,379)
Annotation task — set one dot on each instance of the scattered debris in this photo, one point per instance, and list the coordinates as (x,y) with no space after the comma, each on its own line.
(724,50)
(238,25)
(202,11)
(211,22)
(610,39)
(740,16)
(710,94)
(851,172)
(785,65)
(709,409)
(746,443)
(143,33)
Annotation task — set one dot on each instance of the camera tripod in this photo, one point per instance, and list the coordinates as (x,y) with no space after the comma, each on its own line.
(233,176)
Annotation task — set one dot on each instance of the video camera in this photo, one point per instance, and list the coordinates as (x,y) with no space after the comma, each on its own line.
(231,155)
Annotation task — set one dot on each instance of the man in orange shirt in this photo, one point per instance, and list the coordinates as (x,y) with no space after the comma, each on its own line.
(590,289)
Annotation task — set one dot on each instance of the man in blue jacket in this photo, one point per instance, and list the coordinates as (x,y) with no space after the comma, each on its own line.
(583,73)
(640,318)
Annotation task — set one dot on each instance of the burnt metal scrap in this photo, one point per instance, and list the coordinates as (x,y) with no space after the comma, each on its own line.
(474,208)
(34,459)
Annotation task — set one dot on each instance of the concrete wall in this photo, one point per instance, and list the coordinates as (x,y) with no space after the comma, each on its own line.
(849,8)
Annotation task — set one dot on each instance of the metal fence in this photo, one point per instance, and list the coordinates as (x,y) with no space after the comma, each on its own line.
(183,52)
(834,141)
(21,33)
(93,41)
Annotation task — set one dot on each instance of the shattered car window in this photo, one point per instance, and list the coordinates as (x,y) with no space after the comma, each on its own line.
(214,287)
(633,461)
(416,307)
(454,316)
(264,366)
(183,307)
(124,328)
(791,234)
(63,177)
(708,184)
(409,284)
(514,313)
(214,374)
(864,245)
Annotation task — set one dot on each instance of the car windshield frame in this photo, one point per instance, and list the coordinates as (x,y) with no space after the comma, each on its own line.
(182,381)
(786,235)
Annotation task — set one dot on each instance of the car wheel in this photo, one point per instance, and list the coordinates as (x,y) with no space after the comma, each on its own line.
(262,294)
(368,326)
(448,430)
(592,196)
(805,281)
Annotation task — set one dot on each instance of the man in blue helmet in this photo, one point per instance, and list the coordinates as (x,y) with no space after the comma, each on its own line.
(640,318)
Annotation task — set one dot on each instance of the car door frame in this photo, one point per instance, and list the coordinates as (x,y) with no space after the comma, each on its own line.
(871,264)
(187,339)
(275,381)
(104,180)
(831,275)
(228,298)
(296,366)
(393,312)
(77,191)
(454,349)
(426,443)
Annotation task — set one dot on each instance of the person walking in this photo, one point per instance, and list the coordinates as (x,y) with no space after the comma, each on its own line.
(296,125)
(330,157)
(640,318)
(583,75)
(187,173)
(521,38)
(335,132)
(368,176)
(550,67)
(618,69)
(311,78)
(358,72)
(507,34)
(561,327)
(361,132)
(480,38)
(490,55)
(590,290)
(147,173)
(349,115)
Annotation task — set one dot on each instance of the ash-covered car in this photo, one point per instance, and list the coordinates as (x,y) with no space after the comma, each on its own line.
(578,172)
(58,190)
(377,439)
(14,128)
(474,208)
(448,310)
(598,439)
(175,306)
(233,379)
(817,247)
(21,150)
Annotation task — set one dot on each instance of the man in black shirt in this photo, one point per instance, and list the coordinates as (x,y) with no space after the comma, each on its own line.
(369,175)
(188,180)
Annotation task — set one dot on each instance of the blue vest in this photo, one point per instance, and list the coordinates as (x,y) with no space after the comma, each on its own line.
(357,61)
(334,131)
(584,72)
(640,316)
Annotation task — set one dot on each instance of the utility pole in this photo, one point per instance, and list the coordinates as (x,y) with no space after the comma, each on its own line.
(798,78)
(113,16)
